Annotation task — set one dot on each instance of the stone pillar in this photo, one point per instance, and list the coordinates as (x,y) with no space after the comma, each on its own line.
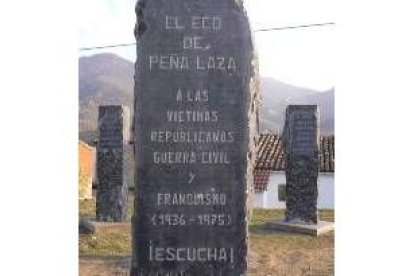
(301,145)
(196,92)
(112,192)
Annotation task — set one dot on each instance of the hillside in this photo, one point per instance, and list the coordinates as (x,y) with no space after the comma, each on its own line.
(103,79)
(109,79)
(277,95)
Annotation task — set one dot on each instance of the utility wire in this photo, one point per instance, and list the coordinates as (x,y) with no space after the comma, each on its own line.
(255,31)
(107,46)
(294,27)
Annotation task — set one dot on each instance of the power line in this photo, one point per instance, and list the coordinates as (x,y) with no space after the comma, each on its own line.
(255,31)
(294,27)
(107,46)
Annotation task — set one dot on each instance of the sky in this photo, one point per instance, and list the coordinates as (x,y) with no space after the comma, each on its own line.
(301,57)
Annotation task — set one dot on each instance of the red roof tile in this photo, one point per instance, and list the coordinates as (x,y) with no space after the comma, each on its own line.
(270,157)
(261,178)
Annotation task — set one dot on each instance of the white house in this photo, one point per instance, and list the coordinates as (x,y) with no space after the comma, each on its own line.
(269,175)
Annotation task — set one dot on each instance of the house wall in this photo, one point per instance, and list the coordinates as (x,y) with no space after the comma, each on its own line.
(326,190)
(269,199)
(86,170)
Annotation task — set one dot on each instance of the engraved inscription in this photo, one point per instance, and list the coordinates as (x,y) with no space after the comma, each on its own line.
(192,81)
(181,254)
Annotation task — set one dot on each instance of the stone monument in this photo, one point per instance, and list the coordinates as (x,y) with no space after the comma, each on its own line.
(301,146)
(194,125)
(112,191)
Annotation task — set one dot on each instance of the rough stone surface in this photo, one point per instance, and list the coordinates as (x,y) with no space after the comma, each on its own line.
(112,192)
(301,145)
(93,226)
(320,228)
(196,94)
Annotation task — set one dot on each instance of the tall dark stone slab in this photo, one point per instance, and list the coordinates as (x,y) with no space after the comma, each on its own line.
(301,144)
(112,192)
(195,119)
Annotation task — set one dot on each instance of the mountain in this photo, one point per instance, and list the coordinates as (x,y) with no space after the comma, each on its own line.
(109,79)
(103,79)
(277,95)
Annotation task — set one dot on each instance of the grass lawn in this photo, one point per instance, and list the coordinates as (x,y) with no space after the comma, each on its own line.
(272,253)
(103,244)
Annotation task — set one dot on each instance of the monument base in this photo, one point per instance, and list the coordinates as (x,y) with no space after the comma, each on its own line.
(322,227)
(91,225)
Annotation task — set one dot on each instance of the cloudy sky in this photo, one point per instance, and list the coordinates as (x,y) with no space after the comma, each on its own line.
(301,57)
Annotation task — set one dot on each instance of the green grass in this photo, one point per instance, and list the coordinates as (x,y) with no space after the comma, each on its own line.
(281,253)
(273,253)
(105,244)
(262,216)
(113,243)
(87,207)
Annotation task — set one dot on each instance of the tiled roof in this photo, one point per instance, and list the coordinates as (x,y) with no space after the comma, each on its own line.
(327,154)
(261,178)
(270,155)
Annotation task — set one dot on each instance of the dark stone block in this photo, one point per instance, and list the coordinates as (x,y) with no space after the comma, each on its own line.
(301,144)
(282,192)
(195,117)
(112,192)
